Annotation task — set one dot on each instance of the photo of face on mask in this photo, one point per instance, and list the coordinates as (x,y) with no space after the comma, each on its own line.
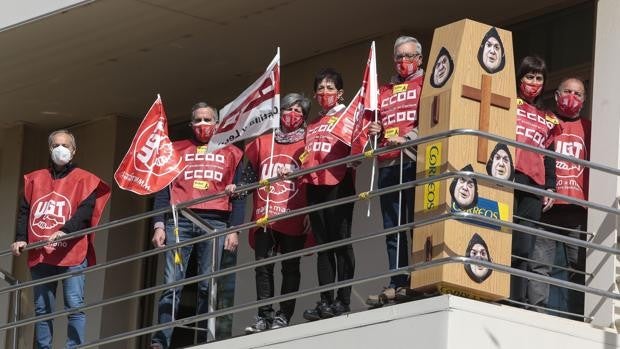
(442,69)
(478,249)
(491,55)
(500,163)
(464,191)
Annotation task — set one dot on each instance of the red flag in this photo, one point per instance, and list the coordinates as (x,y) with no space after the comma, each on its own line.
(350,126)
(151,162)
(342,126)
(255,111)
(369,95)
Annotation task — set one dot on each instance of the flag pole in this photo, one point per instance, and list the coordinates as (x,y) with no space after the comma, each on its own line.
(400,202)
(273,141)
(374,159)
(374,166)
(177,254)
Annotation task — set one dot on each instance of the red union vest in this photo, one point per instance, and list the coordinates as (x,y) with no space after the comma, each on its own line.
(537,128)
(285,195)
(205,174)
(52,203)
(572,179)
(321,147)
(398,111)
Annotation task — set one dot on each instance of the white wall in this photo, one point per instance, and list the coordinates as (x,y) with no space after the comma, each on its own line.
(604,188)
(16,12)
(439,322)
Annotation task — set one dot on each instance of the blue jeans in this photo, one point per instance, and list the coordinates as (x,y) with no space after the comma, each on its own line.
(172,272)
(45,302)
(389,176)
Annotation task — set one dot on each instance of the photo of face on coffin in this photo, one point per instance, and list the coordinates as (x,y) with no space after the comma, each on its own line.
(464,191)
(491,55)
(500,164)
(478,249)
(442,69)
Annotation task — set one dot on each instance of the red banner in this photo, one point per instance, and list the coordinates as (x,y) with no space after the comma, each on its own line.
(366,112)
(350,126)
(151,162)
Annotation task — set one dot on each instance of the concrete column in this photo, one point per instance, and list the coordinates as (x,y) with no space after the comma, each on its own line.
(604,188)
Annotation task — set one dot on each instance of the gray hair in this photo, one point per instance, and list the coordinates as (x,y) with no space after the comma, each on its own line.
(405,39)
(200,105)
(295,98)
(50,138)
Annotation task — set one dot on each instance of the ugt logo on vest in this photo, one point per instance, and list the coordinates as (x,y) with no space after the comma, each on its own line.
(49,213)
(280,191)
(154,150)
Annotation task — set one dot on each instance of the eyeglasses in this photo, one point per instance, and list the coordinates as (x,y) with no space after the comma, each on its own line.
(408,56)
(199,120)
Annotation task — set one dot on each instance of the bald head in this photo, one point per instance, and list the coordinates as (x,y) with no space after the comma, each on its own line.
(573,85)
(570,96)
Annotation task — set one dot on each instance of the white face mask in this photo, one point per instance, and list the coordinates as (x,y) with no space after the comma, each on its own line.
(61,155)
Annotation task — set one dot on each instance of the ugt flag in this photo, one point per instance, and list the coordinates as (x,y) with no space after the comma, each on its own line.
(151,162)
(255,111)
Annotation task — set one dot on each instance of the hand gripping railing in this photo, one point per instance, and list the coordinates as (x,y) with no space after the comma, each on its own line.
(365,195)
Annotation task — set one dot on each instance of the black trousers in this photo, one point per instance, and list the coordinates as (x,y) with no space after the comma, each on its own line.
(526,205)
(267,244)
(332,224)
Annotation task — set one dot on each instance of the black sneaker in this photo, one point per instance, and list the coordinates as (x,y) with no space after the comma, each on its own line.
(261,324)
(339,308)
(322,311)
(279,321)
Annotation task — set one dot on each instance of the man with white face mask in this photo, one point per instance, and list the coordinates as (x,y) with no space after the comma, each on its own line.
(59,201)
(572,180)
(207,173)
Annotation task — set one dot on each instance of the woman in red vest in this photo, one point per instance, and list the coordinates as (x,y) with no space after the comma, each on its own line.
(285,235)
(536,127)
(333,223)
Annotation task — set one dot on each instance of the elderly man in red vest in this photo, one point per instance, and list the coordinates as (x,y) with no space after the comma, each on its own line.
(59,201)
(572,180)
(207,173)
(398,113)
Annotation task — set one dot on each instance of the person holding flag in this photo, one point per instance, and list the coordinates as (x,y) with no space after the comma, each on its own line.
(207,173)
(398,123)
(266,155)
(58,201)
(333,223)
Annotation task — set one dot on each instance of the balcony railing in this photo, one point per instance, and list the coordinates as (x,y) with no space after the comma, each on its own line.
(15,286)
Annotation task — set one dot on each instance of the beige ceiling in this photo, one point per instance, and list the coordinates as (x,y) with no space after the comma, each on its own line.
(114,56)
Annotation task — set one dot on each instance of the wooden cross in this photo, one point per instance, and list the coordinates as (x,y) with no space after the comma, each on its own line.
(486,99)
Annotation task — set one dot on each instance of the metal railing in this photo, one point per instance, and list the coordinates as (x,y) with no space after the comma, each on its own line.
(12,280)
(464,217)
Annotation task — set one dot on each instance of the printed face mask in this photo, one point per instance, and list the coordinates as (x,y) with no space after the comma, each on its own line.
(327,100)
(291,120)
(61,155)
(405,67)
(569,104)
(530,91)
(203,131)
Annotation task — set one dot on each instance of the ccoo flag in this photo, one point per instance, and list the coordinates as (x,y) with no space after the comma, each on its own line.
(255,111)
(369,99)
(151,162)
(351,124)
